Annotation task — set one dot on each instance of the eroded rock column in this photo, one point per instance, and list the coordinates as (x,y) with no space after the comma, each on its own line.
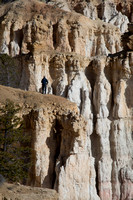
(101,100)
(121,130)
(62,160)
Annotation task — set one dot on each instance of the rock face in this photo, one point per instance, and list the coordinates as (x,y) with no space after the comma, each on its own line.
(61,159)
(53,29)
(88,60)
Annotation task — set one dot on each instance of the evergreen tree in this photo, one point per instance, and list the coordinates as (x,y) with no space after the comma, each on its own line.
(14,144)
(6,1)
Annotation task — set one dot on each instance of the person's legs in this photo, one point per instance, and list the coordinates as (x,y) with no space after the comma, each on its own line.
(42,89)
(45,88)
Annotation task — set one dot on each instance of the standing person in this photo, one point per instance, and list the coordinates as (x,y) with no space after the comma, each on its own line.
(44,85)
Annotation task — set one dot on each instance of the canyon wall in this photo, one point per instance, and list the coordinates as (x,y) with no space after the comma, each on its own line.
(60,156)
(88,60)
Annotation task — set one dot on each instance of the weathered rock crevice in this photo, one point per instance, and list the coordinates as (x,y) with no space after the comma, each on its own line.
(55,28)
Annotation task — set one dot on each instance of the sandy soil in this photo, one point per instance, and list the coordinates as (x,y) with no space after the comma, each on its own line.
(34,99)
(20,192)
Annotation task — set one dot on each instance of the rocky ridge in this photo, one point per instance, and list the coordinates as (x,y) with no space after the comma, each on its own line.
(20,192)
(89,61)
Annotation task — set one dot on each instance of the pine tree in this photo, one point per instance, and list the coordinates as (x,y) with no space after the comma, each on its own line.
(14,144)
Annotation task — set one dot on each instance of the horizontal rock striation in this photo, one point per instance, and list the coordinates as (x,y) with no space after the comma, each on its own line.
(53,29)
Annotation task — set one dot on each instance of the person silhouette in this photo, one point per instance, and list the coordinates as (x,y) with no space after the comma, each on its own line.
(44,85)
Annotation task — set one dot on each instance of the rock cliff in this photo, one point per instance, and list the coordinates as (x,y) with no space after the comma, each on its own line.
(60,154)
(85,49)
